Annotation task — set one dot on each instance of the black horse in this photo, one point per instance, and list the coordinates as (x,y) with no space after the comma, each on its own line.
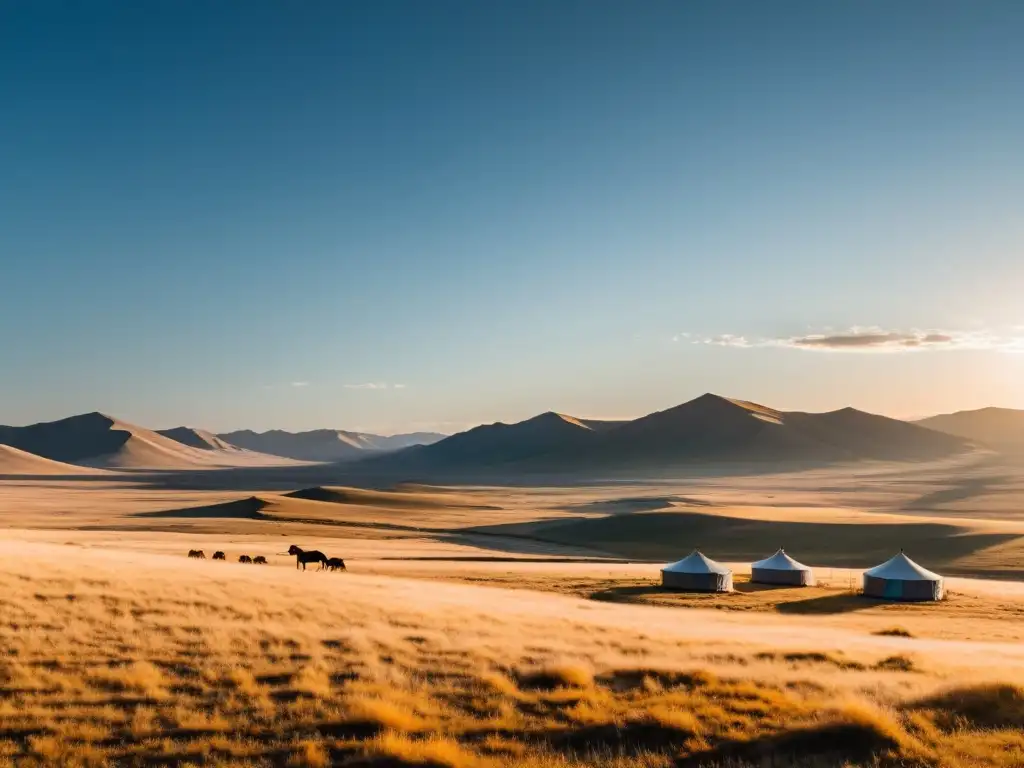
(335,564)
(302,557)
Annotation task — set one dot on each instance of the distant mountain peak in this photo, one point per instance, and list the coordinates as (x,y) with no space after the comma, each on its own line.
(1000,428)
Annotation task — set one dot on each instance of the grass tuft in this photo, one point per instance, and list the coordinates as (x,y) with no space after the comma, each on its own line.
(557,676)
(894,632)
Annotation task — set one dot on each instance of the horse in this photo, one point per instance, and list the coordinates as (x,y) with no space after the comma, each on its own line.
(219,556)
(260,560)
(335,564)
(197,553)
(302,557)
(244,559)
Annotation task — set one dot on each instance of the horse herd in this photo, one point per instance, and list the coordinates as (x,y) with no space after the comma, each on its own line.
(302,557)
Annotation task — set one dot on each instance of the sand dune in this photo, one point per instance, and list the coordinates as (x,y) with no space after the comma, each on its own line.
(17,462)
(98,440)
(250,508)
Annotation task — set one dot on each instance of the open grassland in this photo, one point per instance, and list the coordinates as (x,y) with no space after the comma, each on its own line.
(507,625)
(114,656)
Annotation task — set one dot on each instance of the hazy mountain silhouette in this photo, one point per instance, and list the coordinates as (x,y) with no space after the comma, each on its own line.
(1000,428)
(324,444)
(709,428)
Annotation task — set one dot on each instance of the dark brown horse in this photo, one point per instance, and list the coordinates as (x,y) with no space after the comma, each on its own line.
(302,557)
(197,554)
(244,559)
(335,564)
(260,560)
(219,556)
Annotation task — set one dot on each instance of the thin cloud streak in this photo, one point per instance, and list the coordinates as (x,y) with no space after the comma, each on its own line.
(872,340)
(374,385)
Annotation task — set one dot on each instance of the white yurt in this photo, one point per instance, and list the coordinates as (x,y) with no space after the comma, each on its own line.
(697,573)
(900,578)
(780,568)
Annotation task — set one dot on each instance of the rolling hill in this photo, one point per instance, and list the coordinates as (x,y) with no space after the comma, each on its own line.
(710,428)
(324,444)
(1000,428)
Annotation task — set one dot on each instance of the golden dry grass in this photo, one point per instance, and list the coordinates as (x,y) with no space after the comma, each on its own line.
(116,657)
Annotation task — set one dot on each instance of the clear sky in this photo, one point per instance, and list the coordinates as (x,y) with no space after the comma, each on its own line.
(424,215)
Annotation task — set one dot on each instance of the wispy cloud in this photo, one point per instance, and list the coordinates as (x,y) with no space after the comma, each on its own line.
(874,339)
(288,385)
(374,385)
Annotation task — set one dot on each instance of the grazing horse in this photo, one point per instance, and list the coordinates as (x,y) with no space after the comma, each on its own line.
(260,560)
(244,559)
(302,557)
(335,564)
(219,556)
(197,553)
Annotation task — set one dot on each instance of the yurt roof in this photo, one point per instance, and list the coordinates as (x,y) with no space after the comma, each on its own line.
(902,568)
(780,561)
(695,562)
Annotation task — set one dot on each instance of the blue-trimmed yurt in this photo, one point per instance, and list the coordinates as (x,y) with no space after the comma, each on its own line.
(900,578)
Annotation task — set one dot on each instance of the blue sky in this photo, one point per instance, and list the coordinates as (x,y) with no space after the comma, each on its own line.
(242,214)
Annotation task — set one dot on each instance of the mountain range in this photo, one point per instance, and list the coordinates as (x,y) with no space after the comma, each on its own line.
(710,428)
(707,429)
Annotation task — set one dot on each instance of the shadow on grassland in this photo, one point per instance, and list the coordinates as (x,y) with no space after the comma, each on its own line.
(666,536)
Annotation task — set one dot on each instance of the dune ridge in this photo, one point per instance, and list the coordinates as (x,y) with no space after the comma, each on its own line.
(98,440)
(17,462)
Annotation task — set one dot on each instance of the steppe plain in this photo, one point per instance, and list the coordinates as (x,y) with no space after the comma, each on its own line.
(507,622)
